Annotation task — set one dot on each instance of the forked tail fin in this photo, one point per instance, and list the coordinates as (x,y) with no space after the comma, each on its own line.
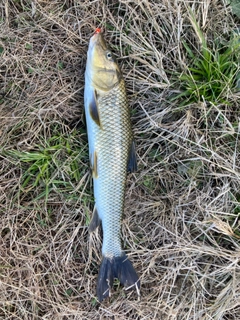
(117,267)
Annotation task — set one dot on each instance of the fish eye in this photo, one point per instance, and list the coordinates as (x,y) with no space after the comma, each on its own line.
(109,55)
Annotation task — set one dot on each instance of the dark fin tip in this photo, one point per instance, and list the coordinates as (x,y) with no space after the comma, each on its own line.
(118,267)
(95,222)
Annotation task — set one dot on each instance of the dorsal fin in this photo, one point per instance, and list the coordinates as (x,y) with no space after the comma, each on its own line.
(132,159)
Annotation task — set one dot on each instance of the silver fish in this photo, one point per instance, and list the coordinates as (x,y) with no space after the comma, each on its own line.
(112,154)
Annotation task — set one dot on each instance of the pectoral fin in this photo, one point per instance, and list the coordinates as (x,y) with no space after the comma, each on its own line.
(95,222)
(132,160)
(93,109)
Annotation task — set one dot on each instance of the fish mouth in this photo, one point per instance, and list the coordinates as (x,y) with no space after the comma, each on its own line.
(97,40)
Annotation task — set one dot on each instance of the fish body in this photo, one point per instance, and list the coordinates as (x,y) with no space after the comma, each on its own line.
(112,154)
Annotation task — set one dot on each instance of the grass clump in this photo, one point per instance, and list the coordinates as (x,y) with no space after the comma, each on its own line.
(211,75)
(52,165)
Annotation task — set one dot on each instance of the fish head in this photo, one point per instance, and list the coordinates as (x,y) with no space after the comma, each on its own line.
(102,67)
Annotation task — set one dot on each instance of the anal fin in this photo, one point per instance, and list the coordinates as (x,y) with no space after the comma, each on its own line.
(95,222)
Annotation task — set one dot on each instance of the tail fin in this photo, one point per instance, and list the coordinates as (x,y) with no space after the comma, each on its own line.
(117,267)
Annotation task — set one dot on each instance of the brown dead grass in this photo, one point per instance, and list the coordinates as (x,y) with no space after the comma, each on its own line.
(181,223)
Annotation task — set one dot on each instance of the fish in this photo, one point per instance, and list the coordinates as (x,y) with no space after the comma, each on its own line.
(112,155)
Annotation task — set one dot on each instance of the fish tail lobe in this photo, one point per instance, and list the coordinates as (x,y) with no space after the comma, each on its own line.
(116,267)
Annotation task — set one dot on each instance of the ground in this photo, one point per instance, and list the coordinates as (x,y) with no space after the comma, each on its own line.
(181,222)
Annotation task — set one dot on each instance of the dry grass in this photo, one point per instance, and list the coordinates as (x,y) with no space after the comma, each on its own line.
(181,223)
